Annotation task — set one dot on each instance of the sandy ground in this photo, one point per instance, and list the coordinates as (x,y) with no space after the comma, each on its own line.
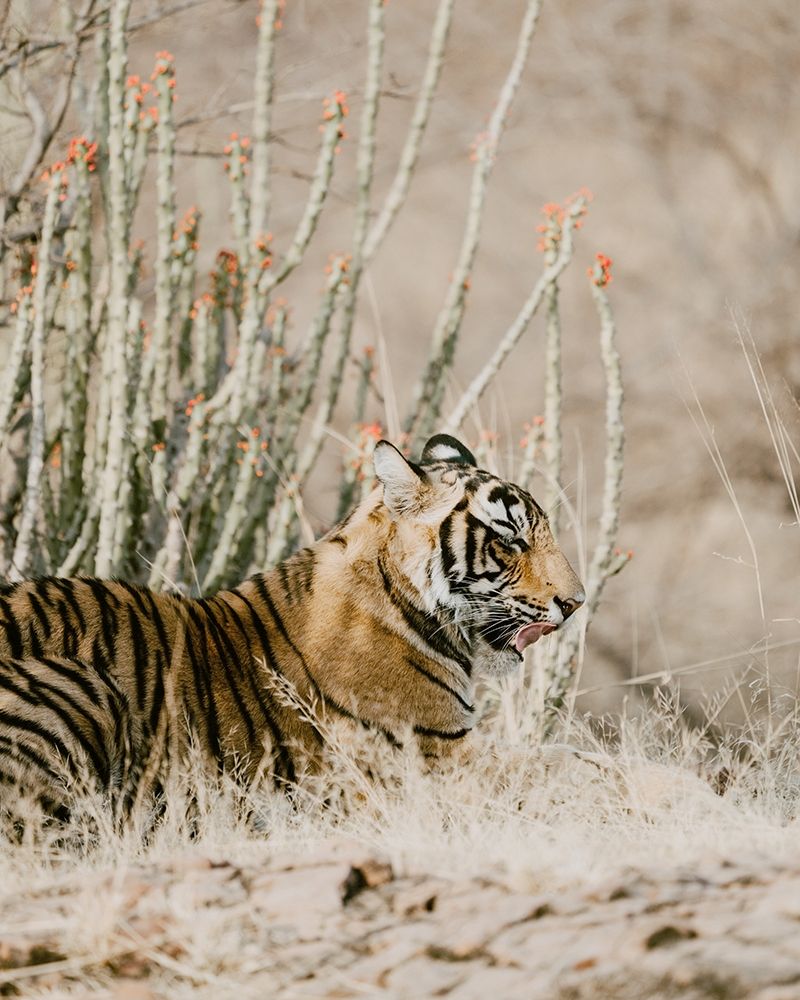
(341,923)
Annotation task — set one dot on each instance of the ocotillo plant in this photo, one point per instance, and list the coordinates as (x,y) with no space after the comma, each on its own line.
(178,443)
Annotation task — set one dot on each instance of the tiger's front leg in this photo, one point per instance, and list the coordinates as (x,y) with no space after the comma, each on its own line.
(444,754)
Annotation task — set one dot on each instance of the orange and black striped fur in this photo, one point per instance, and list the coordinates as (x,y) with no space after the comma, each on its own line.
(443,573)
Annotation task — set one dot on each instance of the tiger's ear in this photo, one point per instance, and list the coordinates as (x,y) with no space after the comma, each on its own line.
(444,448)
(404,483)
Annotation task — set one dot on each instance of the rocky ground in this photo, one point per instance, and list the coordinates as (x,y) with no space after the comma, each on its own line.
(343,924)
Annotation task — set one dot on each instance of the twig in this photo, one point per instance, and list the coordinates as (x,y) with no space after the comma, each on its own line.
(230,391)
(552,438)
(604,560)
(11,386)
(165,190)
(22,557)
(416,132)
(262,119)
(479,384)
(366,160)
(79,336)
(427,394)
(114,360)
(44,128)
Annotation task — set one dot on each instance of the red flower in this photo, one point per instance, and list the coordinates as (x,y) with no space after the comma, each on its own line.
(600,273)
(374,431)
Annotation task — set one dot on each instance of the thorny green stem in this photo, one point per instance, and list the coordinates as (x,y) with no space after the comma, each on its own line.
(114,361)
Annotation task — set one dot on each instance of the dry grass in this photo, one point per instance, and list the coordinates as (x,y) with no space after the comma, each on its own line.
(600,797)
(183,914)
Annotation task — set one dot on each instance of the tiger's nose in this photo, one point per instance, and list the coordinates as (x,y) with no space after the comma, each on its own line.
(569,605)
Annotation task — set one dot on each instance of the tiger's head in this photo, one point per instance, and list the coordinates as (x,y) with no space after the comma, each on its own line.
(477,549)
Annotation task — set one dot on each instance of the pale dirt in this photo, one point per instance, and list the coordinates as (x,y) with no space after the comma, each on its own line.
(342,924)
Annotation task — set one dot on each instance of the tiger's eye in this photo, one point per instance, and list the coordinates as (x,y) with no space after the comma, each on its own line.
(506,544)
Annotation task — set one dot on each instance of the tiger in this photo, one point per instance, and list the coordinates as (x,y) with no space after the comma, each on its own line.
(443,574)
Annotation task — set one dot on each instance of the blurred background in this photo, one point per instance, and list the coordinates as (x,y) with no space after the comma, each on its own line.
(683,119)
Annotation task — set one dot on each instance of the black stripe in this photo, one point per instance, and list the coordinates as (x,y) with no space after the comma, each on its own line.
(13,634)
(226,649)
(34,645)
(28,726)
(69,641)
(448,555)
(37,696)
(129,770)
(470,543)
(158,621)
(303,563)
(502,493)
(423,731)
(505,523)
(63,614)
(435,680)
(261,587)
(163,657)
(14,749)
(108,591)
(202,676)
(157,694)
(67,588)
(41,615)
(41,586)
(285,581)
(98,658)
(206,717)
(140,657)
(269,658)
(108,619)
(259,627)
(426,626)
(135,592)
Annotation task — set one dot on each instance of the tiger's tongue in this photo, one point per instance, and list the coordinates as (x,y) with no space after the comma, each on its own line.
(529,634)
